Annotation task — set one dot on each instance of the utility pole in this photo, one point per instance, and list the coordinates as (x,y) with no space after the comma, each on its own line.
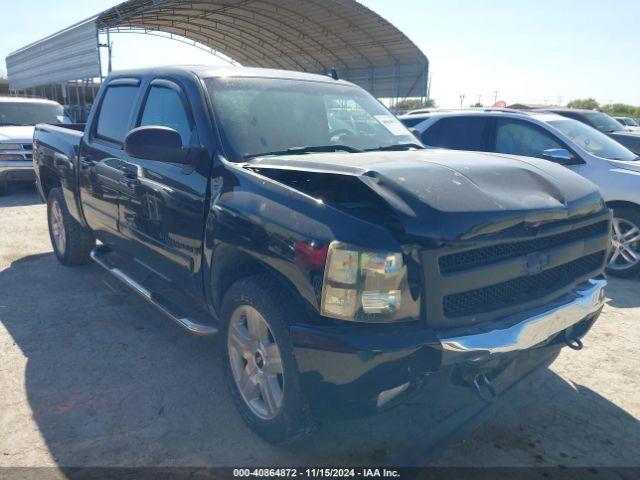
(462,97)
(495,99)
(109,49)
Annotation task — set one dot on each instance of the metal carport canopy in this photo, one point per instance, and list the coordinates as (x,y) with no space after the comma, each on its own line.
(304,35)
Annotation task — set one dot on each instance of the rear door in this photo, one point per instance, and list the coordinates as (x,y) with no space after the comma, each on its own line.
(102,157)
(163,208)
(459,133)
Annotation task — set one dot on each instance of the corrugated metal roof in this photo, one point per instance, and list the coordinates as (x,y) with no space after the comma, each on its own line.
(304,35)
(307,35)
(71,54)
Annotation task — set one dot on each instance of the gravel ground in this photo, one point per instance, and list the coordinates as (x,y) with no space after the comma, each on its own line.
(90,375)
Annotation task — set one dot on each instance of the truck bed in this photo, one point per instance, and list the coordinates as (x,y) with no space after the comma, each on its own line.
(62,139)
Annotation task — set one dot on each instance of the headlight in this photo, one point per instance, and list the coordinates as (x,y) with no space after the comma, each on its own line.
(10,146)
(366,286)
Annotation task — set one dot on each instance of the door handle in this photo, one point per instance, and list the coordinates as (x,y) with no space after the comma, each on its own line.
(132,184)
(86,162)
(129,172)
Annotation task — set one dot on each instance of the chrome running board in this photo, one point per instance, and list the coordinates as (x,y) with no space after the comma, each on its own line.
(100,256)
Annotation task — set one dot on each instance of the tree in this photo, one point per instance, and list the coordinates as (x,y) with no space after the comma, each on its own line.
(414,104)
(621,110)
(477,105)
(586,103)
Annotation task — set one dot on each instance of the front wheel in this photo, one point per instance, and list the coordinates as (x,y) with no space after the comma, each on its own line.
(260,367)
(72,243)
(625,252)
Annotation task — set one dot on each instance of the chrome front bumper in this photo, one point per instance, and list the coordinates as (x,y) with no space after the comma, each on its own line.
(584,301)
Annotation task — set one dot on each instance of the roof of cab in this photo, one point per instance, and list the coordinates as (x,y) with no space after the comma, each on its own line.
(208,71)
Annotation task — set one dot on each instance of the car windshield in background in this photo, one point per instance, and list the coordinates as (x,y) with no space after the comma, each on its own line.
(604,122)
(15,113)
(592,140)
(263,116)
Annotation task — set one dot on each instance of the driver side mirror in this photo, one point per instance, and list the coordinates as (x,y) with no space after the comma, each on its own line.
(159,144)
(561,156)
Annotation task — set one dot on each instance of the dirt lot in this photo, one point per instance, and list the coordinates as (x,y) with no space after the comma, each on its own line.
(90,375)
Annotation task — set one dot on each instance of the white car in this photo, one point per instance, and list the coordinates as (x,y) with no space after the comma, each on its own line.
(18,117)
(630,123)
(595,156)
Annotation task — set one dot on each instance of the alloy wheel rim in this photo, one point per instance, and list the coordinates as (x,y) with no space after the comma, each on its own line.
(625,245)
(256,362)
(57,227)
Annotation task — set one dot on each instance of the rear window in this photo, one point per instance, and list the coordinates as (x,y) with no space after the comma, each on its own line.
(457,133)
(115,113)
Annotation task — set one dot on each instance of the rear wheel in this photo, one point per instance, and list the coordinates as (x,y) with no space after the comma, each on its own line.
(72,243)
(260,368)
(625,252)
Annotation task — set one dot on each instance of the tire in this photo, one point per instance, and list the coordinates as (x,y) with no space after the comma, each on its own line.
(291,420)
(626,243)
(72,243)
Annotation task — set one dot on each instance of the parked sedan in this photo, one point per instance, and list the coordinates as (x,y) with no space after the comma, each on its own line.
(604,123)
(18,117)
(614,168)
(629,122)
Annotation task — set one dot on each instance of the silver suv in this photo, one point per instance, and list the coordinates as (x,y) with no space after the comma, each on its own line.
(595,156)
(18,117)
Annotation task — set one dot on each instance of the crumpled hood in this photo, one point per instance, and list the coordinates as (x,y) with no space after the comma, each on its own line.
(452,195)
(11,134)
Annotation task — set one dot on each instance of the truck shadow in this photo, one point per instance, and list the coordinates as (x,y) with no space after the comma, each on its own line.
(623,293)
(110,382)
(20,195)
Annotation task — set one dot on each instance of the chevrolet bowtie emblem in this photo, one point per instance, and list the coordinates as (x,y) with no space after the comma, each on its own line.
(537,262)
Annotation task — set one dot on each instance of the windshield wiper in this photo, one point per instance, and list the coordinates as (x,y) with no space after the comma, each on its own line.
(13,125)
(397,148)
(303,150)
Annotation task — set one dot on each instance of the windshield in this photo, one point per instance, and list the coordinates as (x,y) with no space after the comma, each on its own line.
(604,122)
(267,116)
(629,122)
(28,114)
(592,140)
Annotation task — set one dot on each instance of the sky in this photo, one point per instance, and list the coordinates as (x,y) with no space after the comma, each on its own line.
(526,51)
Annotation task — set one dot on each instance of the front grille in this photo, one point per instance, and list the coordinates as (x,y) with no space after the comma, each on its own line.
(520,290)
(27,146)
(457,262)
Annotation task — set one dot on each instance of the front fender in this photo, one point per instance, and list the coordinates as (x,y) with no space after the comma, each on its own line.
(285,230)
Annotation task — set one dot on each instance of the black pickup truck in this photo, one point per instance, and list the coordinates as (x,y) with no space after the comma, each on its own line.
(344,266)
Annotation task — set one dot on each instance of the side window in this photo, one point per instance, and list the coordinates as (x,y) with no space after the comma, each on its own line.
(412,122)
(519,138)
(115,112)
(164,107)
(457,133)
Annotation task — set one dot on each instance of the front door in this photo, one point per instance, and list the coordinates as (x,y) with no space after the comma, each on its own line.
(163,205)
(101,158)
